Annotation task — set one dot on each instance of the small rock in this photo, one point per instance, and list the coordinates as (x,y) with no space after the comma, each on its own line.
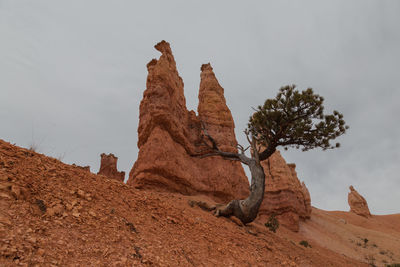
(31,239)
(4,219)
(5,195)
(55,210)
(74,202)
(40,252)
(6,186)
(171,220)
(19,192)
(81,193)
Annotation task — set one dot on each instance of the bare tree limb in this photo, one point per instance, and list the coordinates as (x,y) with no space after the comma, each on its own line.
(217,152)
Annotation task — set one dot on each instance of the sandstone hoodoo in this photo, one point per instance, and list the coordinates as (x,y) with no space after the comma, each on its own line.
(108,167)
(292,119)
(357,203)
(168,134)
(284,196)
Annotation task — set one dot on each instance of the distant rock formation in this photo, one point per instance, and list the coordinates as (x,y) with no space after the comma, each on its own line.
(357,203)
(108,167)
(85,168)
(285,196)
(169,134)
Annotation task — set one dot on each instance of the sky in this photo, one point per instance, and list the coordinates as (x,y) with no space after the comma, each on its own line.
(72,74)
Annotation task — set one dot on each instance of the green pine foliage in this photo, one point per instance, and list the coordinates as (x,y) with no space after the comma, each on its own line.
(296,119)
(272,223)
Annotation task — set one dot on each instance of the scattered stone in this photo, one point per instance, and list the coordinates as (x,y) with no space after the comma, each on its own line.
(81,193)
(92,213)
(84,168)
(40,252)
(132,228)
(5,195)
(4,219)
(57,209)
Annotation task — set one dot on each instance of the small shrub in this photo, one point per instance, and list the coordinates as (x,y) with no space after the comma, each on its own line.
(304,243)
(272,223)
(41,205)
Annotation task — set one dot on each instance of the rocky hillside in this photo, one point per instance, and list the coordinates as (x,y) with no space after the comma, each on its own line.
(375,240)
(54,214)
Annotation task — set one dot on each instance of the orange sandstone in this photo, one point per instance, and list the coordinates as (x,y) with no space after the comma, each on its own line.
(284,195)
(108,167)
(357,203)
(169,134)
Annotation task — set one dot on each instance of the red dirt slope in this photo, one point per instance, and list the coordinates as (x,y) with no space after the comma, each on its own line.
(54,214)
(375,240)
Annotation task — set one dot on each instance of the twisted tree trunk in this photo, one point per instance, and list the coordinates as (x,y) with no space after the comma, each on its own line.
(245,210)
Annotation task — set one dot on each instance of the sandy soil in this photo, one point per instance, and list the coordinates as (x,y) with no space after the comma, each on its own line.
(375,239)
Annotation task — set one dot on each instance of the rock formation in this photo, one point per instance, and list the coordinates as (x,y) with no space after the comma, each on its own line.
(169,135)
(357,203)
(285,196)
(108,167)
(85,168)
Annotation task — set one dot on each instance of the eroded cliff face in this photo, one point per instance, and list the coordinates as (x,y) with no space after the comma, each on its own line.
(357,203)
(169,135)
(284,196)
(108,167)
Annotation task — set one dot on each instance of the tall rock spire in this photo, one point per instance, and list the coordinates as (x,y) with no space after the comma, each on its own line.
(169,135)
(213,111)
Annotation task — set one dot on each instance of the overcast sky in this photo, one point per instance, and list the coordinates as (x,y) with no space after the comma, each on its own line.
(72,74)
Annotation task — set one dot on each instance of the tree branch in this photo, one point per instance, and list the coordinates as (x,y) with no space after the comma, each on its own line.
(267,152)
(217,152)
